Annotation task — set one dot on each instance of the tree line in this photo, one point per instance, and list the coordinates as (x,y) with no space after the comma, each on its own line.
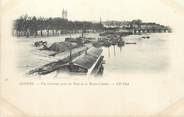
(39,26)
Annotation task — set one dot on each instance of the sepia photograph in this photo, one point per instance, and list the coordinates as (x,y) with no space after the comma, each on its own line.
(90,48)
(119,58)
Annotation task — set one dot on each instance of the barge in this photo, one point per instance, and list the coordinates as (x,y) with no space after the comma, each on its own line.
(88,63)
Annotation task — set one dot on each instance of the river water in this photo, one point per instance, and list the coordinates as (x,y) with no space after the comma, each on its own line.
(147,55)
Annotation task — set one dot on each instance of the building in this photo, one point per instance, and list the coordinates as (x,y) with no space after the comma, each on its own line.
(64,14)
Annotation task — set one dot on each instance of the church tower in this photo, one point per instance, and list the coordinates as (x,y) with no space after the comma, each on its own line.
(64,14)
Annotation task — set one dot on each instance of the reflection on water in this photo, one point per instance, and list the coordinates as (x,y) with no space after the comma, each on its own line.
(114,50)
(146,55)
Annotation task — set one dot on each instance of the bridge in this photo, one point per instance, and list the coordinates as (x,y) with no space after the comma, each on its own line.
(141,28)
(149,28)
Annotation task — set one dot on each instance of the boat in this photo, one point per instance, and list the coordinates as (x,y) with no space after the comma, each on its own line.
(107,44)
(121,42)
(40,43)
(130,42)
(146,37)
(97,44)
(81,40)
(98,68)
(113,42)
(90,61)
(54,66)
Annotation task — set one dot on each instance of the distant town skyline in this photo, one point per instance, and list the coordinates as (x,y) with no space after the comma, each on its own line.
(92,10)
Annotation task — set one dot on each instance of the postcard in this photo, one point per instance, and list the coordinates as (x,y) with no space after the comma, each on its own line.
(92,58)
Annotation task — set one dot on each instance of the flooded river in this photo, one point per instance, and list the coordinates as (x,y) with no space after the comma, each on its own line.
(147,55)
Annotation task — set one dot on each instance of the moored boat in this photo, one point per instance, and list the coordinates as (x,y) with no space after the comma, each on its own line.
(86,63)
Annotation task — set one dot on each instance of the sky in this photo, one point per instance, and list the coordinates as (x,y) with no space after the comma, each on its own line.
(162,11)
